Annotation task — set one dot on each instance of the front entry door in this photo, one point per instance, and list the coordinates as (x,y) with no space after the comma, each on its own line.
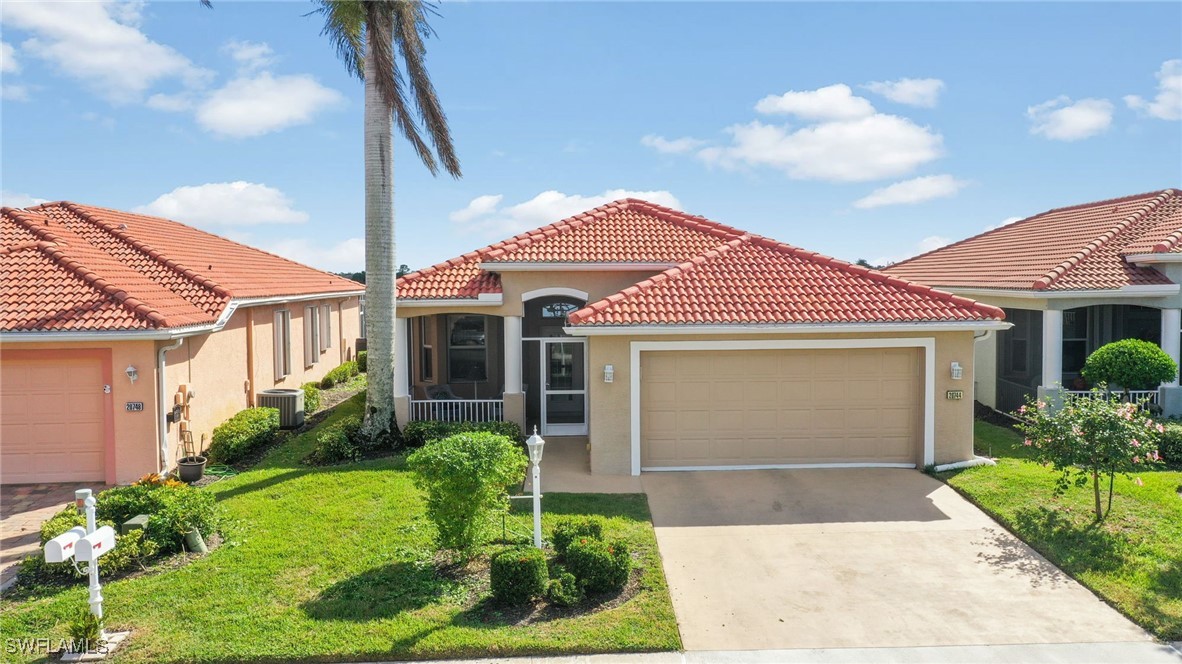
(564,377)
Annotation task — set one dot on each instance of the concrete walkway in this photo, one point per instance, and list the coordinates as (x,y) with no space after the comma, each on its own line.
(857,558)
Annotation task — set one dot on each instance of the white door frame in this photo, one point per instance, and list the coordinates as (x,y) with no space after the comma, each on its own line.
(928,344)
(544,366)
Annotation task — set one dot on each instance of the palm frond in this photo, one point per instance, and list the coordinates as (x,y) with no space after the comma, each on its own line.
(344,26)
(412,28)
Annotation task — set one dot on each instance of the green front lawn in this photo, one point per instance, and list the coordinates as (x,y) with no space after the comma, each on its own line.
(336,564)
(1133,559)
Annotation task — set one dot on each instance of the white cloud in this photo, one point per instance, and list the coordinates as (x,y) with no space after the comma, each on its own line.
(545,208)
(913,191)
(225,204)
(671,146)
(174,103)
(18,200)
(870,148)
(100,44)
(14,92)
(1061,119)
(1167,105)
(929,243)
(478,207)
(834,102)
(1004,222)
(253,106)
(923,92)
(250,56)
(8,62)
(345,256)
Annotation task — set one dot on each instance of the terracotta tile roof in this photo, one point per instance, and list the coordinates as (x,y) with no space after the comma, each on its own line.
(1082,247)
(80,268)
(756,280)
(717,275)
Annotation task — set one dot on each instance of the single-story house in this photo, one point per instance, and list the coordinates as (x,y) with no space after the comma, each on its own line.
(120,330)
(1070,280)
(672,342)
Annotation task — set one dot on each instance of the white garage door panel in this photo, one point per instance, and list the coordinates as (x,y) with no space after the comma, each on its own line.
(51,421)
(778,407)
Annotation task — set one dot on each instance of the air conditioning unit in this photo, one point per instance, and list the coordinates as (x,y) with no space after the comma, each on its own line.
(290,404)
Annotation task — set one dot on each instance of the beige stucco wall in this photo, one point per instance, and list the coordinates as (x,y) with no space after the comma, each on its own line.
(611,415)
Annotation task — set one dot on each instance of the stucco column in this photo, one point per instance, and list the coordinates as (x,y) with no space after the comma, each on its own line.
(1052,348)
(512,354)
(1171,336)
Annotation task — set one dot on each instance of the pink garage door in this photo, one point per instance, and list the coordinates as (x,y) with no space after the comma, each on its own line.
(51,420)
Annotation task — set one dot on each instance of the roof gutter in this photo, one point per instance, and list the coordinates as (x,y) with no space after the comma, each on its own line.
(172,333)
(1149,259)
(161,410)
(1157,290)
(797,328)
(494,266)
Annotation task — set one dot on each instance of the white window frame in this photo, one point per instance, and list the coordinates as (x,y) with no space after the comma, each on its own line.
(282,340)
(311,335)
(325,327)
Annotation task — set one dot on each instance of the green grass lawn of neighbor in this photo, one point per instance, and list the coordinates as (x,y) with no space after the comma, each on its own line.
(1133,559)
(337,563)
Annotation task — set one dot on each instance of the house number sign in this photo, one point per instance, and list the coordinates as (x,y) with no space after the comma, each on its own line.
(954,395)
(134,406)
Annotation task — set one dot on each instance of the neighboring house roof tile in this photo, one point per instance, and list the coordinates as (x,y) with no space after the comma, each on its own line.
(720,275)
(756,280)
(1082,247)
(81,268)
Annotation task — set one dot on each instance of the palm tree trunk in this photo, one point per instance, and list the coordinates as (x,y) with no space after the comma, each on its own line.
(380,296)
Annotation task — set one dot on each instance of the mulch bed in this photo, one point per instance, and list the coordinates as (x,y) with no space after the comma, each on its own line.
(995,417)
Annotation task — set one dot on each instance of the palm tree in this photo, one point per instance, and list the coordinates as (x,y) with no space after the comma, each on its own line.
(382,43)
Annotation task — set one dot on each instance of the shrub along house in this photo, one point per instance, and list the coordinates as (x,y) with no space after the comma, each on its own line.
(1070,280)
(112,320)
(670,341)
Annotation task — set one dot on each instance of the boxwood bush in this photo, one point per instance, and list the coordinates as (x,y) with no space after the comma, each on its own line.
(341,442)
(518,575)
(466,478)
(1170,445)
(599,566)
(339,375)
(1131,364)
(243,434)
(564,589)
(173,509)
(311,397)
(569,529)
(362,361)
(421,432)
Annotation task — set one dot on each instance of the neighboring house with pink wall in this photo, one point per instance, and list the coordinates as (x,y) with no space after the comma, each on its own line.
(106,312)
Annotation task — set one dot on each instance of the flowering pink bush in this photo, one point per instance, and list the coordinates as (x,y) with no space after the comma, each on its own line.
(1090,438)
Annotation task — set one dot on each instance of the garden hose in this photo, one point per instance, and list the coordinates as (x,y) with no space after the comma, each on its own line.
(220,470)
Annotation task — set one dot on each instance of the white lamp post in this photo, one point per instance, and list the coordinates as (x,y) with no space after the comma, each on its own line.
(535,445)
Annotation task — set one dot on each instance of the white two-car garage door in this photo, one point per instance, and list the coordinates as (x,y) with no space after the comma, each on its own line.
(723,408)
(51,420)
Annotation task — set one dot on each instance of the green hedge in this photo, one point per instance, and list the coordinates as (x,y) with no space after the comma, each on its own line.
(311,397)
(340,442)
(569,529)
(362,360)
(1170,446)
(421,432)
(564,589)
(518,575)
(600,567)
(339,375)
(246,432)
(173,509)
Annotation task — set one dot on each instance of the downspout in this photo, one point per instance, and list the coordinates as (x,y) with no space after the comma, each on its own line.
(161,407)
(988,335)
(250,358)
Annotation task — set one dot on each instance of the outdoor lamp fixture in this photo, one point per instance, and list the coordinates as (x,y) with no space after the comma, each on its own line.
(535,445)
(957,371)
(132,373)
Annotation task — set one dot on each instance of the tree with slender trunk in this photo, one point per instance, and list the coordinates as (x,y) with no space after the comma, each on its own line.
(382,42)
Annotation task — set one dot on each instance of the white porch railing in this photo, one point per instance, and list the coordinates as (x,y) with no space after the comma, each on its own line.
(1136,396)
(458,410)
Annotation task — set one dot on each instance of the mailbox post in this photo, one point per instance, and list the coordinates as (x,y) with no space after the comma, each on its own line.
(535,445)
(84,545)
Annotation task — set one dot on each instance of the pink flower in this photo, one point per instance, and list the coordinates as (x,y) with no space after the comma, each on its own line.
(1136,459)
(1022,410)
(1161,429)
(1154,455)
(1136,443)
(1138,482)
(1027,442)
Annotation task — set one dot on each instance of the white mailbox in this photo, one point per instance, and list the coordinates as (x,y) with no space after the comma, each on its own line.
(90,547)
(61,548)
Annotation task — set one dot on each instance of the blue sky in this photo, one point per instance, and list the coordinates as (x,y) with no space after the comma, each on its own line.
(857,130)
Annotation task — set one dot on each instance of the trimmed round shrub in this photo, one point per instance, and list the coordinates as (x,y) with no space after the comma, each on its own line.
(599,566)
(466,478)
(248,431)
(1170,445)
(311,397)
(341,442)
(569,529)
(362,360)
(564,590)
(1131,364)
(518,575)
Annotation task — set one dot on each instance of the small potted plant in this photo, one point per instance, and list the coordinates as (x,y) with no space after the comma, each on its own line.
(191,467)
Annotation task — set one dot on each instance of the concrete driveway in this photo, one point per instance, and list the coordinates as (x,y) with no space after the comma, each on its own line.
(23,507)
(870,558)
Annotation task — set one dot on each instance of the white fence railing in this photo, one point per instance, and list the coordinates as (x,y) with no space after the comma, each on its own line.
(458,410)
(1136,396)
